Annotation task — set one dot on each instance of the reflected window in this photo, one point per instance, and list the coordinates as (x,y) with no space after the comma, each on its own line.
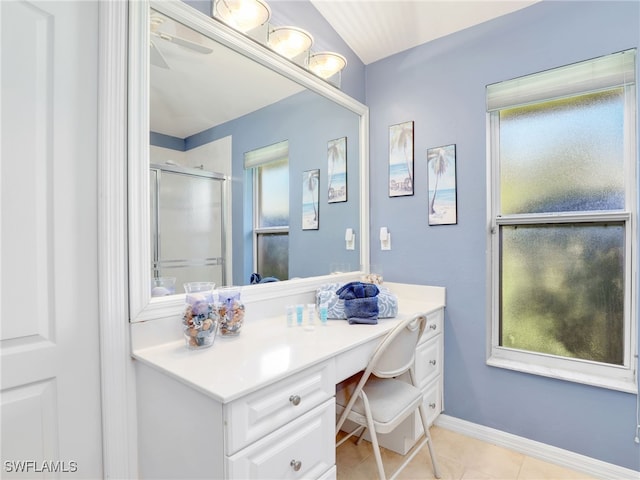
(270,167)
(563,197)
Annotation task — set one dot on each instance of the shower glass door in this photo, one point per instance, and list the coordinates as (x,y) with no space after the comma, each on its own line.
(187,225)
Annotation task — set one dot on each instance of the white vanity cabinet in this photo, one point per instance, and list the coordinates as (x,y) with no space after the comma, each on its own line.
(279,431)
(297,450)
(429,367)
(262,405)
(428,370)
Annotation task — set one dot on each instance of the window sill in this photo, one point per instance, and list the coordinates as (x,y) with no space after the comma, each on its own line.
(627,385)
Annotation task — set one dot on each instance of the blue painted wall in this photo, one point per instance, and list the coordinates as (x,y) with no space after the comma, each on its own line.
(166,141)
(308,121)
(441,86)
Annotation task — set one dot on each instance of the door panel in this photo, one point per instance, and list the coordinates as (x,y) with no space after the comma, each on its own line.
(50,374)
(29,409)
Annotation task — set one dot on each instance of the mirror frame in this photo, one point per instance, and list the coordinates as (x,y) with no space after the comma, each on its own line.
(141,306)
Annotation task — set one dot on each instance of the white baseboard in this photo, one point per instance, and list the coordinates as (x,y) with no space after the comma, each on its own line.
(542,451)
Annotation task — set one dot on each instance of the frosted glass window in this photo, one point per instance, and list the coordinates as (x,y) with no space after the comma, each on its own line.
(563,189)
(270,166)
(562,290)
(273,255)
(563,155)
(273,181)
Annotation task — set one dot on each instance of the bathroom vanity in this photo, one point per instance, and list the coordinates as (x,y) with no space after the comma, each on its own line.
(261,405)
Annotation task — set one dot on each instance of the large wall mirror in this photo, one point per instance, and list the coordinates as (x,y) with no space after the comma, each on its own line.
(203,99)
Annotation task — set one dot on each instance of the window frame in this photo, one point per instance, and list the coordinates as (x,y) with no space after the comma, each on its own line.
(257,230)
(616,377)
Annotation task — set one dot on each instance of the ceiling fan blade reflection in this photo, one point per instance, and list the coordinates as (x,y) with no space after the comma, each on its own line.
(185,43)
(156,57)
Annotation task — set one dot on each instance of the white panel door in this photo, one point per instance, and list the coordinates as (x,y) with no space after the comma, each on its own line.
(50,383)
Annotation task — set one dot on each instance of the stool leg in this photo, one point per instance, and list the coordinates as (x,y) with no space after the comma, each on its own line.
(360,437)
(374,438)
(432,453)
(376,453)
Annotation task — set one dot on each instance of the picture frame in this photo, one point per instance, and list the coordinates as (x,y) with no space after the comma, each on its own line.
(401,154)
(311,200)
(442,185)
(337,170)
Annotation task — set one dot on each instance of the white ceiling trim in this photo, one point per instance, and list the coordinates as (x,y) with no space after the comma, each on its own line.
(375,29)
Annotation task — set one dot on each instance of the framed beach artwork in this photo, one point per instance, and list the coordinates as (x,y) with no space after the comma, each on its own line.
(441,178)
(401,159)
(337,170)
(311,200)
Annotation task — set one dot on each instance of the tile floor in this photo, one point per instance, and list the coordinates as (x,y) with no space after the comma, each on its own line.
(459,457)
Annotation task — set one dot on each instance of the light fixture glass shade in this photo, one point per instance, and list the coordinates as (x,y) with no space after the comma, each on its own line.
(289,41)
(326,64)
(242,15)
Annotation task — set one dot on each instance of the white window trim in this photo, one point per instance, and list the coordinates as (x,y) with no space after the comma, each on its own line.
(281,153)
(623,378)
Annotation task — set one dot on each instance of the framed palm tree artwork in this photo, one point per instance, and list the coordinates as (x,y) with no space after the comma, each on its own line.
(337,170)
(311,200)
(401,159)
(441,178)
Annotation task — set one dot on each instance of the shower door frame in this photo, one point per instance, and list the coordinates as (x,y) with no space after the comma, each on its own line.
(193,172)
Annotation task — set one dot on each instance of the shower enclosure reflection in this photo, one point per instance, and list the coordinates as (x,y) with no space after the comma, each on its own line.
(214,101)
(211,105)
(187,224)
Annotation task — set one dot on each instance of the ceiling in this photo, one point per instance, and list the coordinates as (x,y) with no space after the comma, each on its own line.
(192,87)
(196,83)
(375,29)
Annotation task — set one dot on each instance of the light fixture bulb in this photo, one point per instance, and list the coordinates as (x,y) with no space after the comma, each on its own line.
(289,41)
(242,15)
(326,64)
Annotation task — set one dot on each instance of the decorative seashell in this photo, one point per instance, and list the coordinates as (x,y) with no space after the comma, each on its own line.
(200,308)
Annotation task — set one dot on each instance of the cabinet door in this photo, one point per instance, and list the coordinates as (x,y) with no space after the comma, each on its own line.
(428,361)
(252,417)
(304,448)
(432,404)
(434,325)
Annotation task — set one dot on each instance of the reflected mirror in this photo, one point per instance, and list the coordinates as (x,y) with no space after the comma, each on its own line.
(216,101)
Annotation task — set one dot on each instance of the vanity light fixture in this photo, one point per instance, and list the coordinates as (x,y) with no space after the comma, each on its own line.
(326,64)
(251,17)
(242,15)
(290,42)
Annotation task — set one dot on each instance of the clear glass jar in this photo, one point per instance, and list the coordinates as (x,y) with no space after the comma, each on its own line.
(199,321)
(162,286)
(230,311)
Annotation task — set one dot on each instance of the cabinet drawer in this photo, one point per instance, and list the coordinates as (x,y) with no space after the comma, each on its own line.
(432,406)
(304,448)
(435,321)
(428,361)
(433,401)
(331,474)
(252,417)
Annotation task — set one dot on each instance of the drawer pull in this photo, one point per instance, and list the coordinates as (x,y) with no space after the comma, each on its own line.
(296,465)
(433,326)
(432,405)
(295,399)
(432,362)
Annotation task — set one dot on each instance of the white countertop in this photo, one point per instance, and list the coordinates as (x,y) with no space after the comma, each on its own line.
(265,351)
